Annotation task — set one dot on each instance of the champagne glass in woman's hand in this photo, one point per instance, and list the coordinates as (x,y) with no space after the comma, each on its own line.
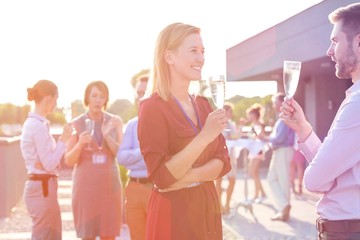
(217,88)
(89,127)
(291,77)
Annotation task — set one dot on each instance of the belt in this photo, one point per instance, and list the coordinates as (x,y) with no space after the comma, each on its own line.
(337,226)
(44,178)
(140,180)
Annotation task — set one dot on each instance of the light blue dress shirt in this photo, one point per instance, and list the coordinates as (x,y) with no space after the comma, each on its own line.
(281,136)
(129,154)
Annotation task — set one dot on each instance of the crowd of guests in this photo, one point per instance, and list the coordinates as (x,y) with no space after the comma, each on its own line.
(177,152)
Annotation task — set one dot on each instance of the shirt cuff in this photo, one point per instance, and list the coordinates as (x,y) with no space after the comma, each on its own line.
(310,146)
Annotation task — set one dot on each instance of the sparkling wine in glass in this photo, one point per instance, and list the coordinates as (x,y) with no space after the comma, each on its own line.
(90,127)
(217,88)
(291,77)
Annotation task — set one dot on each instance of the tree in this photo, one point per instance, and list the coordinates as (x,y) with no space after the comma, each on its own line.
(123,108)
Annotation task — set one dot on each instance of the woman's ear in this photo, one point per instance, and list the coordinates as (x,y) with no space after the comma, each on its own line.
(168,57)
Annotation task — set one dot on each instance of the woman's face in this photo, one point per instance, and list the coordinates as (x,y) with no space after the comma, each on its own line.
(252,117)
(188,59)
(96,99)
(51,102)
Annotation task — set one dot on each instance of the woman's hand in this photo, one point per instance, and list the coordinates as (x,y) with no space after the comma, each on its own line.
(110,125)
(84,138)
(215,123)
(180,184)
(67,132)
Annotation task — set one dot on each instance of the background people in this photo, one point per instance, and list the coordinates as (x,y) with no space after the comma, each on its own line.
(181,141)
(231,132)
(297,167)
(334,164)
(258,130)
(282,141)
(96,182)
(138,189)
(42,157)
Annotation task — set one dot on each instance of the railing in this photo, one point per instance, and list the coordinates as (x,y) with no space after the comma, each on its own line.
(12,174)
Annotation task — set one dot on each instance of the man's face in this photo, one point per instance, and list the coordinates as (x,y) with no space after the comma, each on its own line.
(140,90)
(342,52)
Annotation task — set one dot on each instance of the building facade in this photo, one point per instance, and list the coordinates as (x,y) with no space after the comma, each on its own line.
(304,37)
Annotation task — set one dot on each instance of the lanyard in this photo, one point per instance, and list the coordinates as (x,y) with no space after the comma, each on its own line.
(196,130)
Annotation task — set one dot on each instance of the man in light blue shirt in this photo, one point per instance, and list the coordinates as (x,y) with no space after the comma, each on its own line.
(281,140)
(138,189)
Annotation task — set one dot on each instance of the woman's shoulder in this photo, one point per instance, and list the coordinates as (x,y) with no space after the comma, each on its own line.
(154,101)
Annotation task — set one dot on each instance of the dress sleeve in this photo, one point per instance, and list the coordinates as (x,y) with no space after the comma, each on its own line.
(222,153)
(218,147)
(153,139)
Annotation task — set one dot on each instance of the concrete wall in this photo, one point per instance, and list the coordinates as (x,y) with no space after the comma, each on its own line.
(12,174)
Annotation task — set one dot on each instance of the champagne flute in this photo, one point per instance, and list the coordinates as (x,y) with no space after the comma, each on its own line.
(90,127)
(291,75)
(217,88)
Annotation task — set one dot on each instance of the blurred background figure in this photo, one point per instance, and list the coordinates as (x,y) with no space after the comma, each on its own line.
(297,167)
(138,189)
(97,190)
(42,157)
(231,132)
(281,140)
(258,132)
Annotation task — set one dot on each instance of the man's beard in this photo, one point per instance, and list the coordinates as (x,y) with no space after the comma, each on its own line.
(347,64)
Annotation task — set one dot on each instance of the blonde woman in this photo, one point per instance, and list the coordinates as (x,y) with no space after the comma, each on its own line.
(181,141)
(258,129)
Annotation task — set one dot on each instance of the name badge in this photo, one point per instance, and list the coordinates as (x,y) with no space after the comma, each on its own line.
(99,158)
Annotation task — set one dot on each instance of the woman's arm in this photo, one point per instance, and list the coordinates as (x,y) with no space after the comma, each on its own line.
(181,162)
(74,147)
(210,171)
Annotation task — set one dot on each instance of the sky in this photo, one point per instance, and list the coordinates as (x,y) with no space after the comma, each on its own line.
(73,42)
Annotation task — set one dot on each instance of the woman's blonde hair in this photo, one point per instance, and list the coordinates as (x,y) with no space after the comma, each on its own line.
(170,38)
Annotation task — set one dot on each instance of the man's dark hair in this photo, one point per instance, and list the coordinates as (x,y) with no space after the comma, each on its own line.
(350,19)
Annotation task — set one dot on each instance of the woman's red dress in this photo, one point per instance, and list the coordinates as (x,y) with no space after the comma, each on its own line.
(190,213)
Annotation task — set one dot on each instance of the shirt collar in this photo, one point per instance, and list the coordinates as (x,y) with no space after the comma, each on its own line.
(354,88)
(39,117)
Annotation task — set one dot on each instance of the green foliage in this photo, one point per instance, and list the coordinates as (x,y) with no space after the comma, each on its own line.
(12,114)
(123,108)
(241,104)
(123,175)
(57,117)
(77,108)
